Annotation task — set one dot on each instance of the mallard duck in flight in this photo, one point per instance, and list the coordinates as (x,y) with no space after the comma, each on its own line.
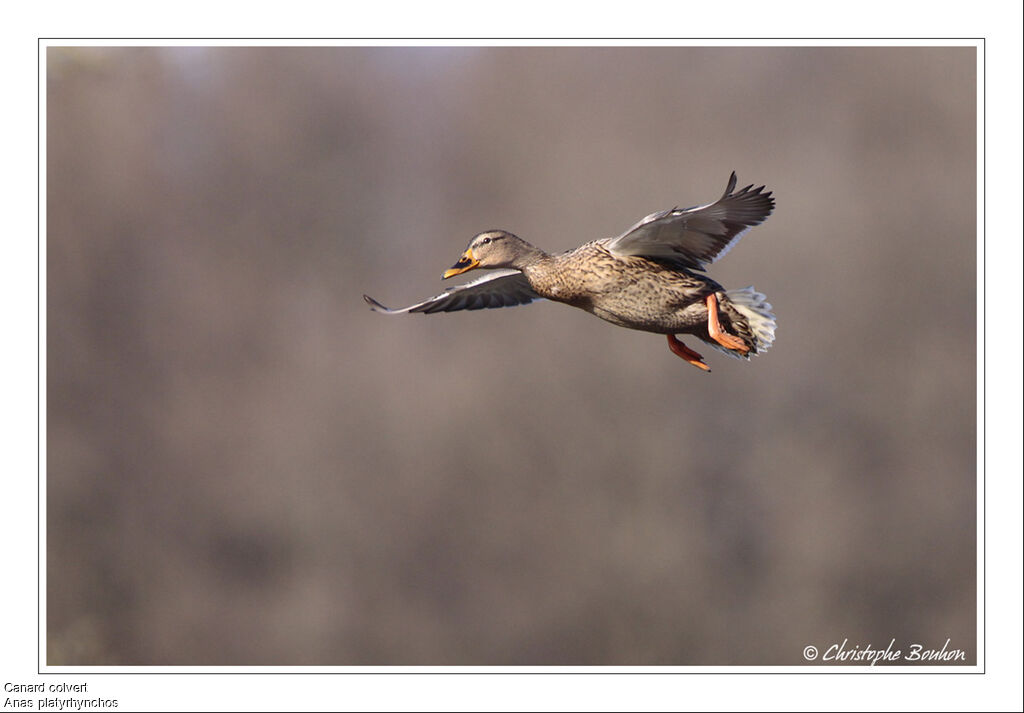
(649,278)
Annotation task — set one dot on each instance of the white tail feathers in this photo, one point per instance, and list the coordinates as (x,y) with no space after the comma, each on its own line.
(758,313)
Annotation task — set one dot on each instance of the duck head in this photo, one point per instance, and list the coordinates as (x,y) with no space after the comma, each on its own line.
(491,249)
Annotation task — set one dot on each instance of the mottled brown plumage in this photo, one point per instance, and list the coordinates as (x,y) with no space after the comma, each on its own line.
(629,291)
(649,278)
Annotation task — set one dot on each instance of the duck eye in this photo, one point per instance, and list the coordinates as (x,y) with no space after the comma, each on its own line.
(486,240)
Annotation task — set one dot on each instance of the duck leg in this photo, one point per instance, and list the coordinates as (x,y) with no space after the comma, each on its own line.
(715,328)
(686,354)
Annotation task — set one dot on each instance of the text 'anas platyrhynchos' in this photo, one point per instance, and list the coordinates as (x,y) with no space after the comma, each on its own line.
(649,278)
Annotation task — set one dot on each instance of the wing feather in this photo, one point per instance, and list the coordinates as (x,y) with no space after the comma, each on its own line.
(504,288)
(696,237)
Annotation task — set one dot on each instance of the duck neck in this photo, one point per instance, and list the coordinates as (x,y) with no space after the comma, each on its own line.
(529,256)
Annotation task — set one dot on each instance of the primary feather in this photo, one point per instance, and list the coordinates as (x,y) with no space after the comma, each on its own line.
(696,237)
(506,288)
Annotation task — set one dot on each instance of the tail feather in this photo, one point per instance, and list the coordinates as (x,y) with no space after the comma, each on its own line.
(753,320)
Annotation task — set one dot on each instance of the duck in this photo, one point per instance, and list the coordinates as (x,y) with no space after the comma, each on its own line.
(650,278)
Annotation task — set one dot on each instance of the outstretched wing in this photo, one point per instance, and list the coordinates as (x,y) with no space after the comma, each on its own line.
(696,237)
(505,288)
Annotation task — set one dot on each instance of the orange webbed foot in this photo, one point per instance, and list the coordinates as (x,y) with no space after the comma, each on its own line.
(717,333)
(686,354)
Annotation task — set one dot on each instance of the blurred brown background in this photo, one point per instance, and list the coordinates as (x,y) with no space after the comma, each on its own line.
(247,466)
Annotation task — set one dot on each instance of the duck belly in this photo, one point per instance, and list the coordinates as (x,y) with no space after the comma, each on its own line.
(631,292)
(653,306)
(661,319)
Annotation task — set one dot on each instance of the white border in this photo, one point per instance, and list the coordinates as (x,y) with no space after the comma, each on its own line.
(257,694)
